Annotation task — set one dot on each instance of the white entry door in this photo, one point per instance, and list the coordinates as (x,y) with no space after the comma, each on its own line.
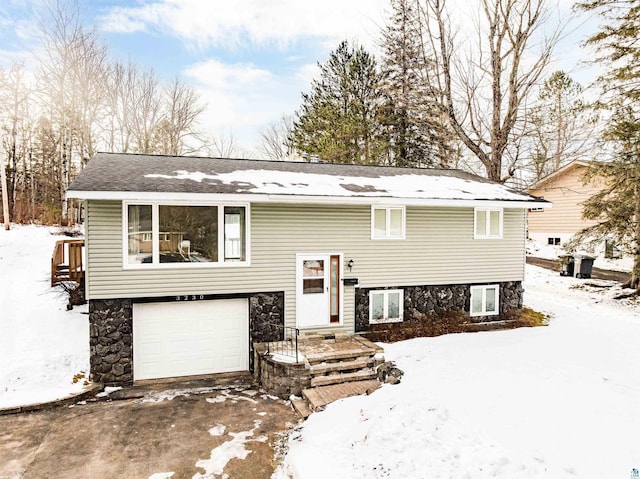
(318,289)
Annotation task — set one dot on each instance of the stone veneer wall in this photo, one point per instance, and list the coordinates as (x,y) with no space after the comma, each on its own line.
(111,333)
(423,302)
(266,320)
(279,378)
(110,341)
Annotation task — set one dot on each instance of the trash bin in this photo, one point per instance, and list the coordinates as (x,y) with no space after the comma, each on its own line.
(567,265)
(583,265)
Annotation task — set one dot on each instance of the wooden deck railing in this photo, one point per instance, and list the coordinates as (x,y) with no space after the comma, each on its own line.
(66,261)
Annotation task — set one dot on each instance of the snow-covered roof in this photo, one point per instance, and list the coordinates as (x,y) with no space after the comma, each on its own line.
(130,176)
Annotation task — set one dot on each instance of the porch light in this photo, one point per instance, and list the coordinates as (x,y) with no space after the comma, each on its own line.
(350,264)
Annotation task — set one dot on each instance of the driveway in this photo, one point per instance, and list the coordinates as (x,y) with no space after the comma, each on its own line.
(596,273)
(170,432)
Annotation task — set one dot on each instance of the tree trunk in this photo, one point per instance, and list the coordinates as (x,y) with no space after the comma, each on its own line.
(5,195)
(634,281)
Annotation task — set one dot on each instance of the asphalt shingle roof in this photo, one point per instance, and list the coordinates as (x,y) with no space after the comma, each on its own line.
(119,172)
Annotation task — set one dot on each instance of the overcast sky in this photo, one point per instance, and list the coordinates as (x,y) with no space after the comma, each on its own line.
(249,59)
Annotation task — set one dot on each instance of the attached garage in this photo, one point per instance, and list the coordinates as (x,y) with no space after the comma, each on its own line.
(173,339)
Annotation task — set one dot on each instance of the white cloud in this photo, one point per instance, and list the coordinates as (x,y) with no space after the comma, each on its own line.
(205,23)
(242,97)
(120,22)
(308,72)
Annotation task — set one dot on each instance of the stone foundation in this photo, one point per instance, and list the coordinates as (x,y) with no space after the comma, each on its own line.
(266,320)
(279,378)
(110,341)
(111,334)
(441,301)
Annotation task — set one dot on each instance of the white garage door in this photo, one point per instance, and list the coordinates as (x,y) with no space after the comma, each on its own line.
(186,339)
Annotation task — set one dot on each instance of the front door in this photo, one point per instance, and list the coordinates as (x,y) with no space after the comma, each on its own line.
(318,289)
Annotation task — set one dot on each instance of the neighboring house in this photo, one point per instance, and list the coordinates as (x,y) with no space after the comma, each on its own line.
(191,260)
(567,190)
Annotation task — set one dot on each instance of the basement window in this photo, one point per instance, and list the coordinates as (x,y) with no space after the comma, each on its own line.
(484,300)
(386,306)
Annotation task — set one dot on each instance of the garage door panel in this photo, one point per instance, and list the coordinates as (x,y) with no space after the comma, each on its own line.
(183,339)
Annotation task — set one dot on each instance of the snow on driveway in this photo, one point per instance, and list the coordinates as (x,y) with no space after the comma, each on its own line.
(42,345)
(555,402)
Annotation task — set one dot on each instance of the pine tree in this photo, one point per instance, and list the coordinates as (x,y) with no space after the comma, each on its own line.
(617,206)
(339,120)
(561,128)
(417,130)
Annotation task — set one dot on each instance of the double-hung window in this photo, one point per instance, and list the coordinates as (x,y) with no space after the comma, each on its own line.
(488,223)
(386,305)
(484,300)
(387,222)
(160,234)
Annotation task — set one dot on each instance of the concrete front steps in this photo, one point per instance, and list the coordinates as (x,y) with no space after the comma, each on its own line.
(340,366)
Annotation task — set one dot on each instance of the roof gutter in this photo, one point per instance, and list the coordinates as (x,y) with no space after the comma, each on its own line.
(299,199)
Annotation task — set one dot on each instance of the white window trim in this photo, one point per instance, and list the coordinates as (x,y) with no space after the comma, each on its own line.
(483,289)
(155,235)
(385,293)
(387,235)
(488,223)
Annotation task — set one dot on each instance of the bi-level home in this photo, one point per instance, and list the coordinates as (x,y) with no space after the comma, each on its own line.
(191,260)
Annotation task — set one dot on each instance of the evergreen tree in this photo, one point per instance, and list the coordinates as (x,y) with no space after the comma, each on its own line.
(561,128)
(417,130)
(617,206)
(339,120)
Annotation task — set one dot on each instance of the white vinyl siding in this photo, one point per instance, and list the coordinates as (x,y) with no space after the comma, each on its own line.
(439,249)
(387,222)
(485,300)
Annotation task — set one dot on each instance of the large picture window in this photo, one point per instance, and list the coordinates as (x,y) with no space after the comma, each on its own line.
(171,234)
(188,234)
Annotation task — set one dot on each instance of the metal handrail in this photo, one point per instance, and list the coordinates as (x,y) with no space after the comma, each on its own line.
(288,346)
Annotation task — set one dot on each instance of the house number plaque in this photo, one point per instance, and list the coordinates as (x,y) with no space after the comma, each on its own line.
(190,297)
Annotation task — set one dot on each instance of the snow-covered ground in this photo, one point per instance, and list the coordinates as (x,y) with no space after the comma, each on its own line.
(544,250)
(561,401)
(42,345)
(553,402)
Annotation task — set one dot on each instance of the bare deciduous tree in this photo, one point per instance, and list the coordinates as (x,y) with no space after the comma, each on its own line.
(121,85)
(146,112)
(274,140)
(71,83)
(89,72)
(182,109)
(223,146)
(483,89)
